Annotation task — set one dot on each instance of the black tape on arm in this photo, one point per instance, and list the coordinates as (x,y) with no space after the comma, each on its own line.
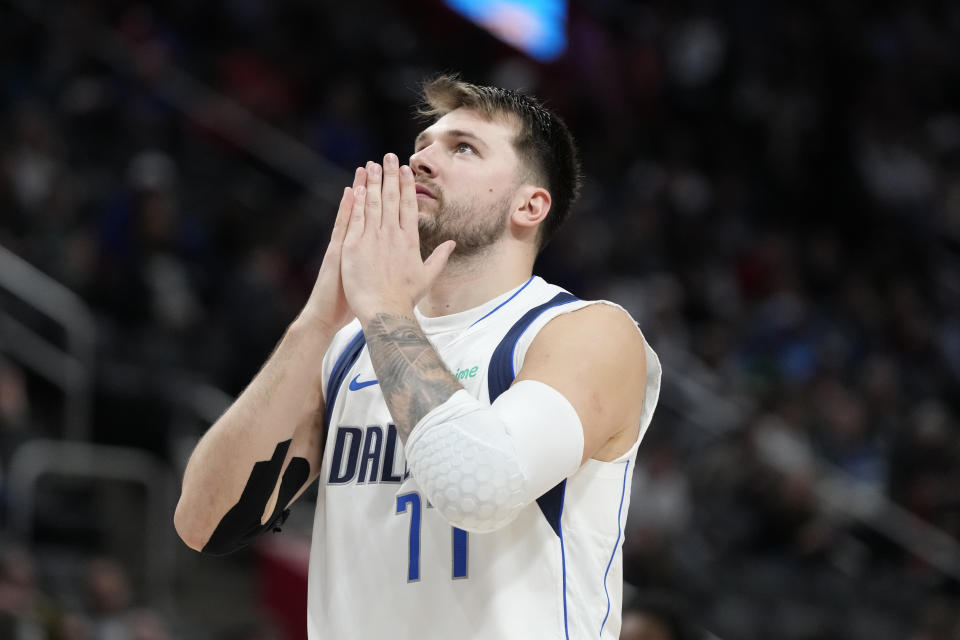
(241,524)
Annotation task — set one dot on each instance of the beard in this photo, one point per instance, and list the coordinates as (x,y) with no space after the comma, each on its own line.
(468,223)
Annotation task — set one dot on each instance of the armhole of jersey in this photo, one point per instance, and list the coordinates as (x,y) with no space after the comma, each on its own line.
(344,362)
(654,372)
(519,339)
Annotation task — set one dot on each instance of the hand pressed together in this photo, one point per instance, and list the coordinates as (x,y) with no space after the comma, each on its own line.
(380,263)
(328,303)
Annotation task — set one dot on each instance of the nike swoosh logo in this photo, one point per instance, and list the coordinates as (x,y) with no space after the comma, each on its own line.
(355,386)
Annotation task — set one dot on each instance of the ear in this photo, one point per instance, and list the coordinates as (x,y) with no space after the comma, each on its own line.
(532,206)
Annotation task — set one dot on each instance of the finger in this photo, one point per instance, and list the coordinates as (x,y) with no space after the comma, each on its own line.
(391,191)
(374,206)
(359,178)
(409,211)
(356,224)
(343,217)
(438,260)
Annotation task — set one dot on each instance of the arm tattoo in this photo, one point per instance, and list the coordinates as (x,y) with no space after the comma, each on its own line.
(412,376)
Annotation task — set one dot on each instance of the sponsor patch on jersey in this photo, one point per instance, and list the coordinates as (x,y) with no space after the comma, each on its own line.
(466,372)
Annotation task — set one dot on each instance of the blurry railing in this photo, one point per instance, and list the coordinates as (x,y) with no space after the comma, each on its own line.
(837,492)
(840,493)
(38,459)
(70,369)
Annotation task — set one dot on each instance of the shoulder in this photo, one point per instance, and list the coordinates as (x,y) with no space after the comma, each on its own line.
(602,329)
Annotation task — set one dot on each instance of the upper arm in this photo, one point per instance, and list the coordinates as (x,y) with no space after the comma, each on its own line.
(596,358)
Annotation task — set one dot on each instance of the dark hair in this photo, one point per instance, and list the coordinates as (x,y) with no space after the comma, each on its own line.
(543,142)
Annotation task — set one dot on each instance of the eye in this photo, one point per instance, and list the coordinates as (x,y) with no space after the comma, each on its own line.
(463,147)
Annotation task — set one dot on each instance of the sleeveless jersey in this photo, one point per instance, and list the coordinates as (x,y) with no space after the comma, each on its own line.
(385,564)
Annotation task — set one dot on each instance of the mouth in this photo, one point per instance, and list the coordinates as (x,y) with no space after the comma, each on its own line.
(423,192)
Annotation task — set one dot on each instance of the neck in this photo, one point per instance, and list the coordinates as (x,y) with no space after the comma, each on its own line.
(468,282)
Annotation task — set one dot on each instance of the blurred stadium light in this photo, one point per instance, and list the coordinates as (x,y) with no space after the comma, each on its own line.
(537,27)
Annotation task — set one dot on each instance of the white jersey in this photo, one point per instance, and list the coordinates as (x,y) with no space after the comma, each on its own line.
(385,564)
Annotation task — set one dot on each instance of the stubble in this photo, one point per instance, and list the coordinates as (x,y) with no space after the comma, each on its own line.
(473,226)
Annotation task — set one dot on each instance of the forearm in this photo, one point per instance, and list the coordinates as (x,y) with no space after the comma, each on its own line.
(412,377)
(283,402)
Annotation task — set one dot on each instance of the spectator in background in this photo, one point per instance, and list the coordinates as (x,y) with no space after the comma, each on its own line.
(17,424)
(143,278)
(112,614)
(656,617)
(15,419)
(33,164)
(26,613)
(109,597)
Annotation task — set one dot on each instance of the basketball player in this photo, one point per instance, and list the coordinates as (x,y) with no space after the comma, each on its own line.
(473,427)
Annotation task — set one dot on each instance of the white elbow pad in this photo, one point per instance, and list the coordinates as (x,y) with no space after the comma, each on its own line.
(480,464)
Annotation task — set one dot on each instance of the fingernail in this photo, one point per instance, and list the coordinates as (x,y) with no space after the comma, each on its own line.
(405,170)
(375,170)
(391,159)
(357,172)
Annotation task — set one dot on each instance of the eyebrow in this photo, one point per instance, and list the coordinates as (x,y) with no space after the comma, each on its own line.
(448,133)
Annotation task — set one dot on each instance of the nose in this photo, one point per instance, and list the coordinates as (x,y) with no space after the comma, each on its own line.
(421,162)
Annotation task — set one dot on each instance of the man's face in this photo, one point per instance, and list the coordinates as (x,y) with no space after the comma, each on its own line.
(467,173)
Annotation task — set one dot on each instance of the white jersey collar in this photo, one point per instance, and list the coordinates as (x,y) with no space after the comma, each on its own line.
(464,319)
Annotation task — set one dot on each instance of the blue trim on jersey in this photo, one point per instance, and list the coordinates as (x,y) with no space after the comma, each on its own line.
(563,564)
(346,359)
(515,294)
(551,505)
(623,493)
(500,374)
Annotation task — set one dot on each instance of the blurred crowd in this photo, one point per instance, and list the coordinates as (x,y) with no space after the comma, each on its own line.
(772,189)
(99,606)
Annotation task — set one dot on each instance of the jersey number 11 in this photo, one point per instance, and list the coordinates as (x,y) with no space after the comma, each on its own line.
(412,500)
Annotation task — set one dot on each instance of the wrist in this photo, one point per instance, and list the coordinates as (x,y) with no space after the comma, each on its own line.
(367,316)
(314,324)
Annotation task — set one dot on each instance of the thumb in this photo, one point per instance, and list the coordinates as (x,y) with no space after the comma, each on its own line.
(438,260)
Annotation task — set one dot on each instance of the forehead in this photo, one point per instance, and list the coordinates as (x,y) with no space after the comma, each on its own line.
(497,132)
